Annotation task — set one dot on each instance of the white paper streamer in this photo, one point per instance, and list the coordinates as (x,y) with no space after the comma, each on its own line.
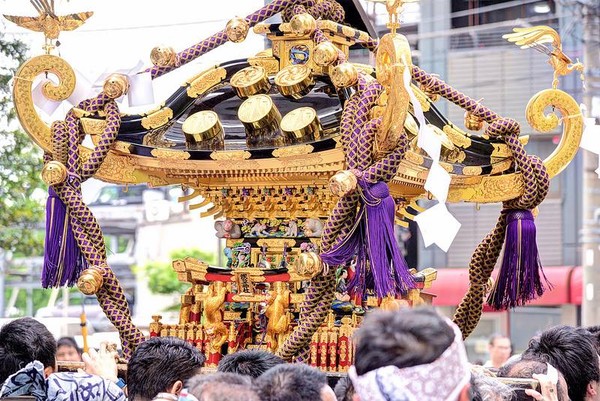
(438,226)
(590,140)
(438,182)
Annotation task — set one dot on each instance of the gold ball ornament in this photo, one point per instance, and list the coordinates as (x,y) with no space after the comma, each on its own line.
(115,86)
(344,75)
(237,29)
(303,24)
(342,183)
(54,172)
(90,281)
(473,122)
(308,264)
(163,56)
(325,54)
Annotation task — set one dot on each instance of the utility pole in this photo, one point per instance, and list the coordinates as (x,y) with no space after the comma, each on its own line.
(591,185)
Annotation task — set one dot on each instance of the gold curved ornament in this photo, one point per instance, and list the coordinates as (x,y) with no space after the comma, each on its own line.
(30,120)
(572,121)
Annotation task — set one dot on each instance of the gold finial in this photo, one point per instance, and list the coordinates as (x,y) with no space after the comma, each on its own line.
(48,22)
(394,8)
(237,29)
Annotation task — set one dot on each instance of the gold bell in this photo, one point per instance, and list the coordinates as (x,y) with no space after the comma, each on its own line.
(343,182)
(344,75)
(237,29)
(115,86)
(163,56)
(303,24)
(472,122)
(90,281)
(325,54)
(54,172)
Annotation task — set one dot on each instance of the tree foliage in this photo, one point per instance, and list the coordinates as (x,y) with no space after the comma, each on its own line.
(162,279)
(20,165)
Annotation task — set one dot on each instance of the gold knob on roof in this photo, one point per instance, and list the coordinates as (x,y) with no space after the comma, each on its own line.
(343,182)
(163,56)
(258,112)
(54,172)
(344,75)
(325,54)
(237,29)
(201,126)
(303,24)
(302,123)
(250,81)
(295,81)
(115,86)
(90,281)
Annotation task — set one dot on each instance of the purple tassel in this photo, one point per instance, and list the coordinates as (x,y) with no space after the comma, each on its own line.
(379,263)
(63,260)
(521,277)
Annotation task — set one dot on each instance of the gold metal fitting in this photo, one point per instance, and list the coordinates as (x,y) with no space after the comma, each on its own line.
(344,75)
(343,182)
(90,281)
(250,81)
(308,264)
(325,54)
(473,122)
(434,97)
(302,123)
(54,172)
(303,24)
(237,29)
(295,81)
(115,86)
(163,56)
(258,112)
(202,126)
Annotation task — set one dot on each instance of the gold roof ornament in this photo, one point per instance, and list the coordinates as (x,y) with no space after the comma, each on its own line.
(49,23)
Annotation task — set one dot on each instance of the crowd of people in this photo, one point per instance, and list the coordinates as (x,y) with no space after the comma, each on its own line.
(406,355)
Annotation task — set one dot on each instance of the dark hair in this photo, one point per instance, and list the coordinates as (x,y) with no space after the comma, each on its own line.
(219,386)
(67,342)
(595,330)
(572,351)
(23,341)
(158,363)
(291,382)
(525,368)
(344,389)
(404,338)
(251,363)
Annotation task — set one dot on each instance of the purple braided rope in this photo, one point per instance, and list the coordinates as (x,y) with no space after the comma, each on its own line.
(220,38)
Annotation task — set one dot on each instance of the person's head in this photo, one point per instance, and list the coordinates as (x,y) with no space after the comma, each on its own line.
(399,351)
(524,369)
(572,351)
(595,330)
(159,365)
(222,386)
(251,363)
(22,341)
(293,382)
(499,348)
(344,389)
(67,350)
(485,388)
